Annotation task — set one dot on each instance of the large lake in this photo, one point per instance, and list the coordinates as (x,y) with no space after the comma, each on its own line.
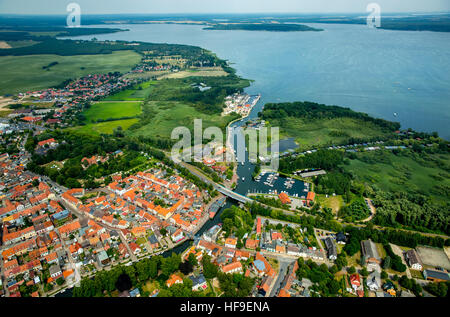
(379,72)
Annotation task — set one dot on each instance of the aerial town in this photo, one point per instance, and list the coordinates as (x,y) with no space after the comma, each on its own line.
(53,237)
(93,203)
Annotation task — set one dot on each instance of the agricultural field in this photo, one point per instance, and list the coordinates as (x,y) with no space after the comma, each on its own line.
(319,132)
(104,127)
(427,175)
(112,110)
(24,73)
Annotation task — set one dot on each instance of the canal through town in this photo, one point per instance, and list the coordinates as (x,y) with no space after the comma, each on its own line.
(245,185)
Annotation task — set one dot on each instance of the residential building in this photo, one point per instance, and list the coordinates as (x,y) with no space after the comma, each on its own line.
(413,259)
(331,248)
(436,276)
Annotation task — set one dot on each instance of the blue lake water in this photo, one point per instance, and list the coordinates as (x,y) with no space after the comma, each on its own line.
(380,72)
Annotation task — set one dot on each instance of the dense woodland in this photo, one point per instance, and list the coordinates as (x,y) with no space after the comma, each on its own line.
(411,210)
(326,159)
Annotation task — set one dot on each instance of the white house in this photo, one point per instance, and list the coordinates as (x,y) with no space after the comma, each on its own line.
(374,281)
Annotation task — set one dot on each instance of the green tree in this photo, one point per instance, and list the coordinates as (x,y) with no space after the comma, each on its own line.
(210,270)
(193,260)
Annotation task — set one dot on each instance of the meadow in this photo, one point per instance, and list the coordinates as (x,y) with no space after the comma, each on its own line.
(320,132)
(104,127)
(136,93)
(166,104)
(426,175)
(112,110)
(167,115)
(333,202)
(25,73)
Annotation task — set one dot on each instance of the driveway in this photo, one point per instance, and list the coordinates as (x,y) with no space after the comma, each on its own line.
(373,210)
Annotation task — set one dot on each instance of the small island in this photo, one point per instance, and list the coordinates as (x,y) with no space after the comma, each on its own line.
(271,27)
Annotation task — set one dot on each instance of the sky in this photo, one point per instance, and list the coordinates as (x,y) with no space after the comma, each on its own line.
(218,6)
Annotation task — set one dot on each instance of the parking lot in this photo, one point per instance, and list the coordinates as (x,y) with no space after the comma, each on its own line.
(433,257)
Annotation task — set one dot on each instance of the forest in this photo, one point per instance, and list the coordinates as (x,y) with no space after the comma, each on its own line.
(416,211)
(322,159)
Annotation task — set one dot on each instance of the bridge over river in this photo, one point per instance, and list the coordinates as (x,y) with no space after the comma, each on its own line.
(221,189)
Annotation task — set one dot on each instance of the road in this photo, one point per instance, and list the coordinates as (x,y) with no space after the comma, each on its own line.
(72,263)
(373,210)
(81,215)
(222,189)
(5,288)
(283,270)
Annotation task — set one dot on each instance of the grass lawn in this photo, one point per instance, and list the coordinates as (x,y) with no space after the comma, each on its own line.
(416,274)
(164,108)
(151,285)
(354,260)
(381,250)
(274,263)
(404,173)
(333,202)
(314,133)
(24,73)
(141,241)
(113,110)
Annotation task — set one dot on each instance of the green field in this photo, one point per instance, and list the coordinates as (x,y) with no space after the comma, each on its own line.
(167,115)
(104,127)
(112,110)
(389,172)
(166,109)
(319,132)
(333,202)
(166,104)
(137,93)
(24,73)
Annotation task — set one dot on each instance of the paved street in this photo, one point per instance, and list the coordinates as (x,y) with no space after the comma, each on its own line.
(282,271)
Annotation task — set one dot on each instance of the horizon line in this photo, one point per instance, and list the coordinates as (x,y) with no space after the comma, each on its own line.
(227,13)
